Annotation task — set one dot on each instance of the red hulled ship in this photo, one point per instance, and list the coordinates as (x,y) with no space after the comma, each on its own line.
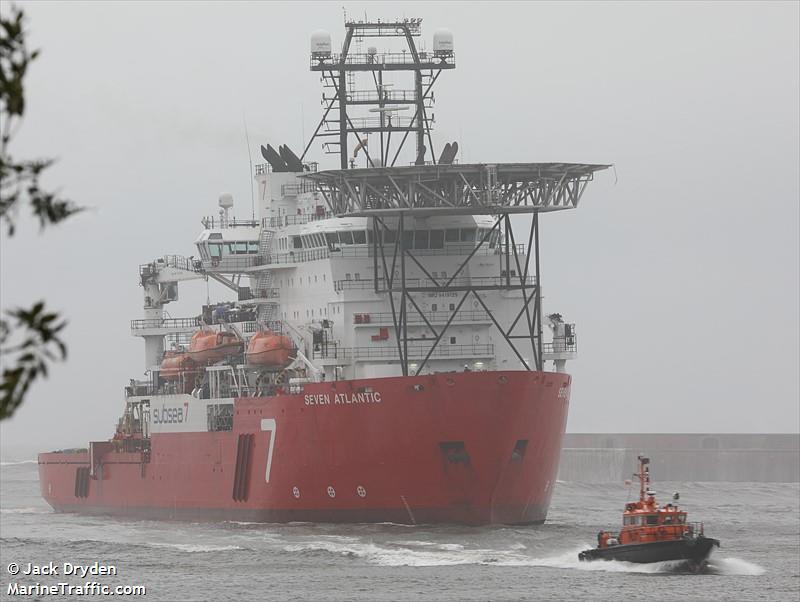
(384,357)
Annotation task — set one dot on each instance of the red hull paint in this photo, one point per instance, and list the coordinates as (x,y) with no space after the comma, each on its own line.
(349,462)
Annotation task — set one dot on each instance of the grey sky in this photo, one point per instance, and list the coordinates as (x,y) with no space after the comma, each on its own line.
(681,271)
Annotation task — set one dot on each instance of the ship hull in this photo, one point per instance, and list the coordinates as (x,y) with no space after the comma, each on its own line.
(695,550)
(469,448)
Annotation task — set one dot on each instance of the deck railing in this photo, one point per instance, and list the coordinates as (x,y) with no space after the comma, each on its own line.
(415,351)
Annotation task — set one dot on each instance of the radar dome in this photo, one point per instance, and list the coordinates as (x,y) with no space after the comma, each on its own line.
(226,200)
(443,42)
(320,44)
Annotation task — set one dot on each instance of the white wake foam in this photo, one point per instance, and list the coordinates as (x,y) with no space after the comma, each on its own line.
(29,510)
(187,547)
(734,566)
(18,463)
(420,553)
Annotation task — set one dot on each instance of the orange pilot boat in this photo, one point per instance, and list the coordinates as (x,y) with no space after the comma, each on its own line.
(653,533)
(209,346)
(267,348)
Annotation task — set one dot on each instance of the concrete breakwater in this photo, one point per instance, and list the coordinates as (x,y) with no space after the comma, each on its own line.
(609,457)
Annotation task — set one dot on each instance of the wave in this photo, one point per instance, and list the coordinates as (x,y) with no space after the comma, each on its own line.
(734,566)
(191,548)
(419,554)
(29,510)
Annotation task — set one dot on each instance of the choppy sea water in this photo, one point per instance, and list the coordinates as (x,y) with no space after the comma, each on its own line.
(758,523)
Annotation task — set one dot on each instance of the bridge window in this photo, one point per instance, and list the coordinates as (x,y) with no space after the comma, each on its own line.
(468,235)
(297,242)
(408,239)
(389,236)
(214,250)
(346,237)
(252,247)
(437,239)
(451,235)
(421,239)
(359,237)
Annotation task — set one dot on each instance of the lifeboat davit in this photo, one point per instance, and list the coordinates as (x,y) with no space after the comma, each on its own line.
(269,349)
(175,364)
(209,346)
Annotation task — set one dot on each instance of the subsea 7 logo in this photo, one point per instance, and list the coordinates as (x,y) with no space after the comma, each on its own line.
(269,425)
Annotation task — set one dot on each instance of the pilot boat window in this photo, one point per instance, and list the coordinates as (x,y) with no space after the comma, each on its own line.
(652,519)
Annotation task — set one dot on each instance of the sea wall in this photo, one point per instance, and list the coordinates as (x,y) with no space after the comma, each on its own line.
(611,457)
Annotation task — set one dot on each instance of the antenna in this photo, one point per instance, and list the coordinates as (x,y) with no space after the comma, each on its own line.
(350,98)
(250,156)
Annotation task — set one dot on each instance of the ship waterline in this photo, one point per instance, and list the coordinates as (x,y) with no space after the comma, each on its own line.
(471,448)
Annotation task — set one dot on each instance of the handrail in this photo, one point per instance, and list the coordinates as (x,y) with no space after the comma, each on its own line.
(439,284)
(144,323)
(560,345)
(416,351)
(294,220)
(470,315)
(387,58)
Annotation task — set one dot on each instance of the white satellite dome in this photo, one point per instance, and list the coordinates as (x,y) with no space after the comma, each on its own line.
(226,200)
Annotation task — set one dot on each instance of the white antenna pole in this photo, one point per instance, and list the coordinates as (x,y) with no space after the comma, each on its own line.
(250,156)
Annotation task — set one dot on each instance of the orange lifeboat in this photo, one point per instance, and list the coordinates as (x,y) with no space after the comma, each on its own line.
(268,348)
(175,364)
(209,346)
